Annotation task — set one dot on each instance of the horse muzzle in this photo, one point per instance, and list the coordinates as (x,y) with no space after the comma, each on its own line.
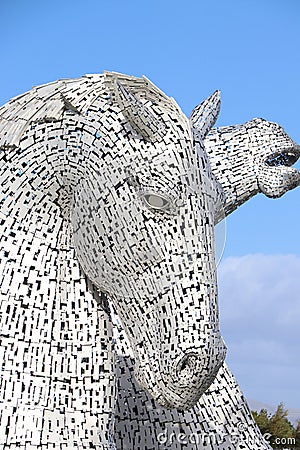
(180,382)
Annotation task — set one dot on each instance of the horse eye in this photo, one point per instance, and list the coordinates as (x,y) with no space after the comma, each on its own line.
(156,201)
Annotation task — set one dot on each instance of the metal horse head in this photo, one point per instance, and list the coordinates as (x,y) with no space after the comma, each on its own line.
(143,223)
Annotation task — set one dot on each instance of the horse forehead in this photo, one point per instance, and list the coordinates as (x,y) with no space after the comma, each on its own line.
(169,167)
(178,156)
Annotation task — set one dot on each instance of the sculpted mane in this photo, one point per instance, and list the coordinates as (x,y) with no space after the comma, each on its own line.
(47,103)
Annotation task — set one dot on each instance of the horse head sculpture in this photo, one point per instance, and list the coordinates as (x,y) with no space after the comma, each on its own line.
(251,158)
(143,223)
(109,191)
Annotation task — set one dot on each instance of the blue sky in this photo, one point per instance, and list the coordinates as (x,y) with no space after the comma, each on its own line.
(250,51)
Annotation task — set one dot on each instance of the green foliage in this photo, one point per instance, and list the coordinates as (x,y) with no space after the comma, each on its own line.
(297,435)
(282,433)
(262,419)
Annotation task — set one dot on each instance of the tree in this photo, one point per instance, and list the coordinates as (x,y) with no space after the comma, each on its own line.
(297,436)
(278,426)
(262,419)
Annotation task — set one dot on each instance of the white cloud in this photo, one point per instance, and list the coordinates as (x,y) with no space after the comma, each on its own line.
(260,322)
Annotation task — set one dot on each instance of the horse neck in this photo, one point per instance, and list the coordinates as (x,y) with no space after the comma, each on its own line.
(56,339)
(40,270)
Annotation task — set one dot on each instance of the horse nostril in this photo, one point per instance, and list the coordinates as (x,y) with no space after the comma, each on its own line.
(187,366)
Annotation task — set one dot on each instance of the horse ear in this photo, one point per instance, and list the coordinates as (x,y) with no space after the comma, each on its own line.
(204,116)
(140,117)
